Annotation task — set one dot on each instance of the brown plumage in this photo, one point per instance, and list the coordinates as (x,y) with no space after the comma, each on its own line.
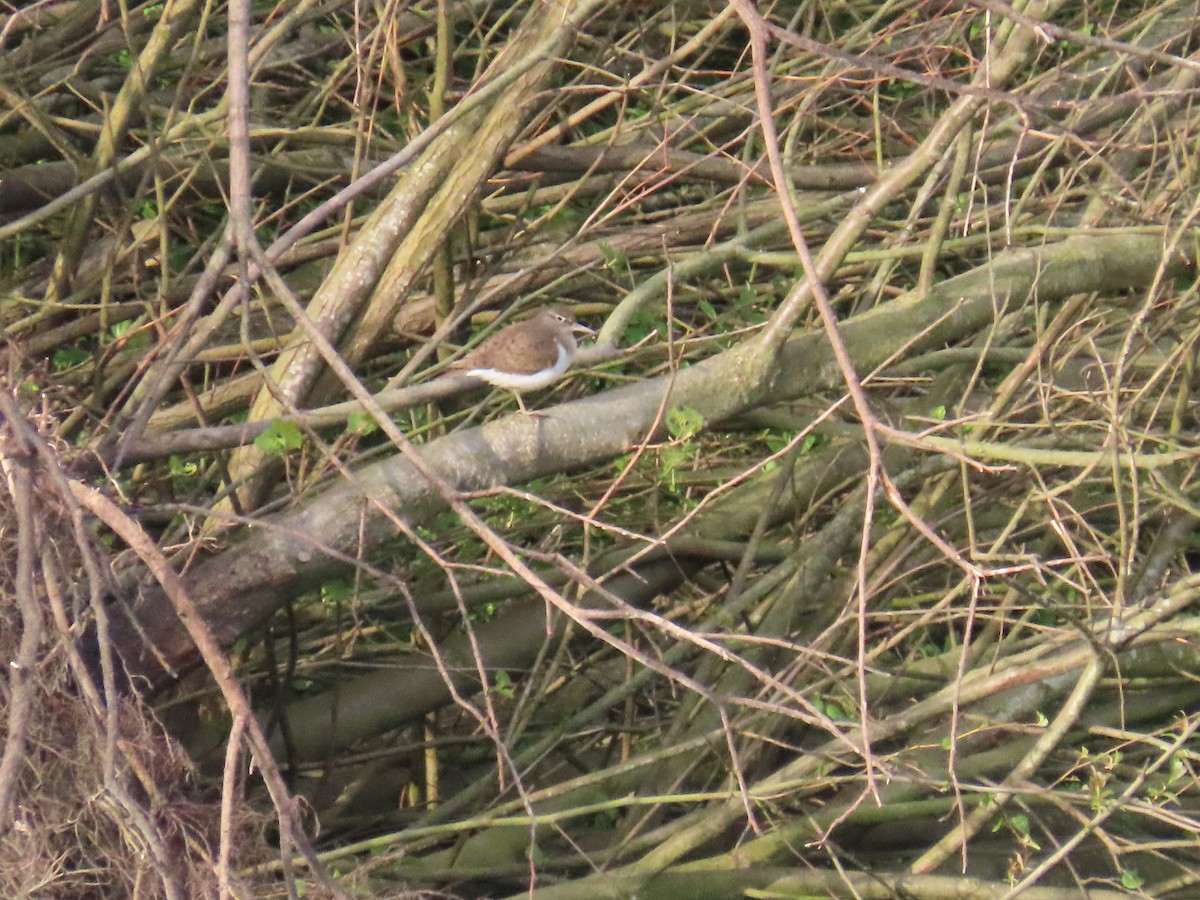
(526,355)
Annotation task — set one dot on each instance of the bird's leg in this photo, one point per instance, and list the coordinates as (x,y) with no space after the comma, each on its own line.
(533,414)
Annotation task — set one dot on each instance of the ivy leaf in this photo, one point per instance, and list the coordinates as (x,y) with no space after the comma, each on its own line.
(280,437)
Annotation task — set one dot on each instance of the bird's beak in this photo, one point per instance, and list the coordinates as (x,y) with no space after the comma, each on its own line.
(580,328)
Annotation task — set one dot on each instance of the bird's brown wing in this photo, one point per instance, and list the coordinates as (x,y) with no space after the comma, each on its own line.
(519,348)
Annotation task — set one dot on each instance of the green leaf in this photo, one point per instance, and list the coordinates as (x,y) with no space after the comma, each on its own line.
(181,468)
(68,357)
(1178,769)
(361,423)
(776,440)
(614,259)
(335,591)
(502,684)
(683,422)
(1131,880)
(644,322)
(279,437)
(833,710)
(1020,824)
(672,458)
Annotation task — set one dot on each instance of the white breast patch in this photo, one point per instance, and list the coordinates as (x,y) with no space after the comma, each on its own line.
(521,383)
